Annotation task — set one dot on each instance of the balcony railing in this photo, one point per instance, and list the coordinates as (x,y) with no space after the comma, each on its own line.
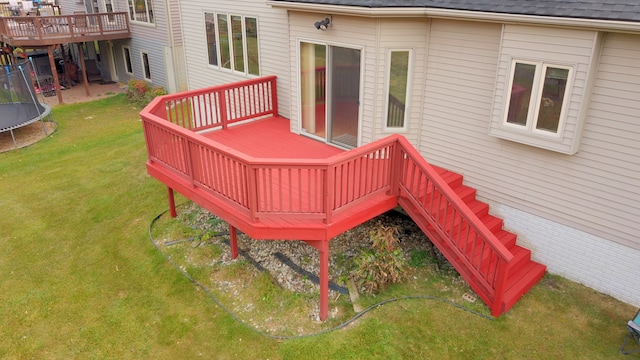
(51,30)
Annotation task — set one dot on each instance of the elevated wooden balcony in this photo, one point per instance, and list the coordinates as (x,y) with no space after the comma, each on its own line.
(42,31)
(226,148)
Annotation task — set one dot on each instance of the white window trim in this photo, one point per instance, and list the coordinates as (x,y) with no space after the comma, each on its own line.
(140,22)
(405,126)
(536,97)
(230,35)
(144,70)
(124,57)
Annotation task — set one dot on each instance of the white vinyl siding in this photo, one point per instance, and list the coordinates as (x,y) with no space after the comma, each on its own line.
(273,45)
(401,34)
(571,49)
(608,164)
(596,190)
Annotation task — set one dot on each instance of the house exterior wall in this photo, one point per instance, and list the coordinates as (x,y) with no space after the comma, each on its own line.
(165,35)
(572,211)
(401,34)
(273,41)
(578,49)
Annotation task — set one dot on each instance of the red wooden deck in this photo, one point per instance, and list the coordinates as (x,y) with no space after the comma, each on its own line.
(271,138)
(272,184)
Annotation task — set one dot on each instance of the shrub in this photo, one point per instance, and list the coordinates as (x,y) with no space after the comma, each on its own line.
(382,264)
(140,93)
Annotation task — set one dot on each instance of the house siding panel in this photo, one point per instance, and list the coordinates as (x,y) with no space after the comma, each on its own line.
(273,42)
(404,34)
(600,192)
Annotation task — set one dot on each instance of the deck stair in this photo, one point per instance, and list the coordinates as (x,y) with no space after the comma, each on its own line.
(523,272)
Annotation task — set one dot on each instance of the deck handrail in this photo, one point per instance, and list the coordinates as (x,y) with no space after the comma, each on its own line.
(222,105)
(55,29)
(255,185)
(455,222)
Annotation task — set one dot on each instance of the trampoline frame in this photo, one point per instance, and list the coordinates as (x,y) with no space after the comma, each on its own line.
(44,114)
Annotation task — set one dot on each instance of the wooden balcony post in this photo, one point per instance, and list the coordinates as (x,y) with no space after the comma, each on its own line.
(395,173)
(253,192)
(274,97)
(54,73)
(329,192)
(233,241)
(324,279)
(172,202)
(499,287)
(84,70)
(223,108)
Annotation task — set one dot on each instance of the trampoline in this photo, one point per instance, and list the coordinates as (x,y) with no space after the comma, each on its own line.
(19,106)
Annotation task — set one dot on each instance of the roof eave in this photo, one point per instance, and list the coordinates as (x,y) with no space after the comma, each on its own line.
(593,24)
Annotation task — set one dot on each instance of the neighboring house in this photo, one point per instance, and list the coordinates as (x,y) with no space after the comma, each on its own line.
(153,53)
(536,103)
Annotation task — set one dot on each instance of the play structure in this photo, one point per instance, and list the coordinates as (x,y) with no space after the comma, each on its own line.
(19,105)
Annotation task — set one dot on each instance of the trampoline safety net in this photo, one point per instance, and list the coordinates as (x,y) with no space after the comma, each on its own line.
(19,105)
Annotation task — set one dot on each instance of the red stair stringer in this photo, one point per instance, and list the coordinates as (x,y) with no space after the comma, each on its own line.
(522,272)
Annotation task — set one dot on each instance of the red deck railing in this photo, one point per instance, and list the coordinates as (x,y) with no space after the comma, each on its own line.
(313,189)
(464,234)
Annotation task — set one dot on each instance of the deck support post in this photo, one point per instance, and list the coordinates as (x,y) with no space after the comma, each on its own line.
(54,74)
(233,241)
(323,250)
(324,279)
(172,202)
(84,69)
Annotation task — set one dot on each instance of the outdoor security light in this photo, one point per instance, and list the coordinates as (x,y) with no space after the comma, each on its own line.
(322,25)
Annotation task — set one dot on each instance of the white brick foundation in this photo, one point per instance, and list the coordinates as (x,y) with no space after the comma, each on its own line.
(600,264)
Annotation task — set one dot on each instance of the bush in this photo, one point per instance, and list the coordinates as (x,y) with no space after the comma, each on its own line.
(140,93)
(382,264)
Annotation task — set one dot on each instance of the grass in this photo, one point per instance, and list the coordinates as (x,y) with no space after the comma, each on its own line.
(79,277)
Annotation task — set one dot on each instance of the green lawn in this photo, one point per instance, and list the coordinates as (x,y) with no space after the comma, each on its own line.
(80,279)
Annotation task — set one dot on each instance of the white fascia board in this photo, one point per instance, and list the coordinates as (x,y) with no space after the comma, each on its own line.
(591,24)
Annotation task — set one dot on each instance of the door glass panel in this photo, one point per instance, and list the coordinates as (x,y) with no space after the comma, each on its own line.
(313,83)
(344,96)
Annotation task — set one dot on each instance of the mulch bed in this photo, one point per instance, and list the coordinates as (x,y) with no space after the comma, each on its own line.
(26,135)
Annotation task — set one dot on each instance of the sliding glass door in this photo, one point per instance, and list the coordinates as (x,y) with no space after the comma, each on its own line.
(330,93)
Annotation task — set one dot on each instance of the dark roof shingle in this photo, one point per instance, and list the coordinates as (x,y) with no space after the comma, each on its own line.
(621,10)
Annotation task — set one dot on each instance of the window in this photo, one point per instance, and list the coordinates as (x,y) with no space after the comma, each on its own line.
(223,36)
(141,10)
(537,97)
(543,85)
(232,42)
(127,60)
(212,45)
(145,66)
(397,89)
